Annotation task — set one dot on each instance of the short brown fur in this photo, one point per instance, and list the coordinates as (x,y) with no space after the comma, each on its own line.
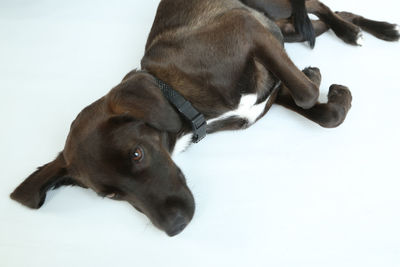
(213,52)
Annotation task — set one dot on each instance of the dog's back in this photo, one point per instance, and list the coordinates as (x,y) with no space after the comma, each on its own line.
(175,15)
(180,17)
(189,46)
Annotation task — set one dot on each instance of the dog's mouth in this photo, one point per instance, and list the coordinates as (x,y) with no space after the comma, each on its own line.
(178,228)
(138,209)
(172,223)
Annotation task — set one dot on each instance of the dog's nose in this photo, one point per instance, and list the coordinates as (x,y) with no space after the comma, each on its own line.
(177,222)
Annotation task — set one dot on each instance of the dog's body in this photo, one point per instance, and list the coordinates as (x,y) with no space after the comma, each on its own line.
(234,95)
(224,56)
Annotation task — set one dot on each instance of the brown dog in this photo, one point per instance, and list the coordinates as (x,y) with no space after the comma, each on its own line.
(226,58)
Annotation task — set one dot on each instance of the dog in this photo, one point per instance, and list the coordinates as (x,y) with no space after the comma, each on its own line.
(209,66)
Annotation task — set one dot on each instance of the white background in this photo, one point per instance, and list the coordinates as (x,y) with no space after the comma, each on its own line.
(284,193)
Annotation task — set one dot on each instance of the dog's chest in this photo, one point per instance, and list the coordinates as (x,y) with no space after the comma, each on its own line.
(247,111)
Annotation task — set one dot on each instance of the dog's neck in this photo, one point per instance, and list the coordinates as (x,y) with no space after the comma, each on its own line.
(186,110)
(193,122)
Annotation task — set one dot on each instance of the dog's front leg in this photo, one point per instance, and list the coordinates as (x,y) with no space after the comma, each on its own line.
(328,115)
(271,53)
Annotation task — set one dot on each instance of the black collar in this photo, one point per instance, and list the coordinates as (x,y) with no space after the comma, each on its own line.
(192,115)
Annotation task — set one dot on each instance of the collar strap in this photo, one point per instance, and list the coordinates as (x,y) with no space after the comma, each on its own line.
(185,108)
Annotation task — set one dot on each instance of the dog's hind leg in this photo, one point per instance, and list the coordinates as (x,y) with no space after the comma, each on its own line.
(380,29)
(328,115)
(283,9)
(291,36)
(344,29)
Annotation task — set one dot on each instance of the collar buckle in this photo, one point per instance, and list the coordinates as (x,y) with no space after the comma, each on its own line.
(199,125)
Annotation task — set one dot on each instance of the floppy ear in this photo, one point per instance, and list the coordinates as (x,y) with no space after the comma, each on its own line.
(32,192)
(140,97)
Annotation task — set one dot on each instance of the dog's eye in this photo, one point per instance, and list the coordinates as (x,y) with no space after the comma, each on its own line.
(138,154)
(112,195)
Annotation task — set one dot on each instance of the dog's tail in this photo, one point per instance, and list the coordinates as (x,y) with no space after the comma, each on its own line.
(302,22)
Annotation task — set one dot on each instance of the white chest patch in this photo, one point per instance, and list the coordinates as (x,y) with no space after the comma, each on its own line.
(247,109)
(182,144)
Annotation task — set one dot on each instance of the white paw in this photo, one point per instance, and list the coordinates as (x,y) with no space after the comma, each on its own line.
(397,29)
(360,39)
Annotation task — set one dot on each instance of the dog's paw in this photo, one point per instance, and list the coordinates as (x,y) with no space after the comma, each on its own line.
(348,32)
(360,39)
(353,35)
(314,74)
(339,103)
(340,95)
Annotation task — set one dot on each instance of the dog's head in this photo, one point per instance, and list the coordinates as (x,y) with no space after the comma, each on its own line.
(120,147)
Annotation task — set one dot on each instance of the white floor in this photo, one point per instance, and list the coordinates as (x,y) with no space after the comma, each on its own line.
(283,193)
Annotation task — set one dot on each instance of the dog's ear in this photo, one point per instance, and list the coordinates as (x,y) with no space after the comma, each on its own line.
(32,192)
(140,97)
